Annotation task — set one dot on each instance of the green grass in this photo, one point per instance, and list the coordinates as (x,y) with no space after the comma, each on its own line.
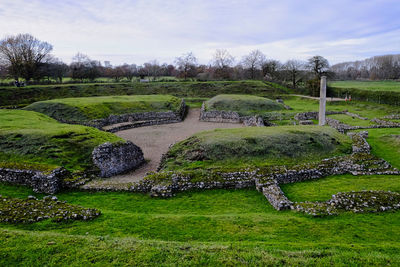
(216,227)
(350,120)
(256,146)
(85,109)
(368,85)
(323,189)
(365,109)
(243,104)
(385,144)
(33,140)
(11,96)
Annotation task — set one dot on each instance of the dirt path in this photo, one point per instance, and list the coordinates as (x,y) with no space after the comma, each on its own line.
(155,141)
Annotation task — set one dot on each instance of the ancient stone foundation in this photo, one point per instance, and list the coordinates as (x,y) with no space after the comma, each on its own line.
(222,116)
(117,158)
(41,182)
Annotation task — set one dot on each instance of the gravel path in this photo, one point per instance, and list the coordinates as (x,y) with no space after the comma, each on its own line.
(155,141)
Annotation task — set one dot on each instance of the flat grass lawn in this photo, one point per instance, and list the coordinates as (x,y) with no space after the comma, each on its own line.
(243,104)
(385,144)
(84,109)
(323,189)
(368,85)
(256,146)
(366,109)
(228,227)
(350,120)
(32,140)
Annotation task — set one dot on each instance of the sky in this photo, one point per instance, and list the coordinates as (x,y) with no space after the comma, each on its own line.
(138,31)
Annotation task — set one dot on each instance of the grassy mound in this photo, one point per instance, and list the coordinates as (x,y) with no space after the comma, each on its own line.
(84,109)
(234,148)
(30,140)
(243,104)
(27,95)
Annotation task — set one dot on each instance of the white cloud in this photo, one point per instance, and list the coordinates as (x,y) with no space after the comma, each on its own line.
(138,31)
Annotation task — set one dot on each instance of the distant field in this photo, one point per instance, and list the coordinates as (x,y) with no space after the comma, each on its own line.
(368,85)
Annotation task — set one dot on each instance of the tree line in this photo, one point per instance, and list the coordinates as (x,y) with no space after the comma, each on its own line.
(385,67)
(24,56)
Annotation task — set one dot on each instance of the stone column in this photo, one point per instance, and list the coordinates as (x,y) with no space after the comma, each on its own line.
(322,102)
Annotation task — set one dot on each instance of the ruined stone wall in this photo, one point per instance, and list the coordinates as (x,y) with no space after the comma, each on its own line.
(41,182)
(223,116)
(117,158)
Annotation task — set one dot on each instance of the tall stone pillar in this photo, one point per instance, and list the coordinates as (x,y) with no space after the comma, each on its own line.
(322,102)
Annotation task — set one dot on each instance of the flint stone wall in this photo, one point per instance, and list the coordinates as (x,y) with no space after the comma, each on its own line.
(117,158)
(39,181)
(313,115)
(223,116)
(134,120)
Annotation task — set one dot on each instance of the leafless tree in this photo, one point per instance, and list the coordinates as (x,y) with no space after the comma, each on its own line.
(271,69)
(24,54)
(187,65)
(293,69)
(222,62)
(82,67)
(253,62)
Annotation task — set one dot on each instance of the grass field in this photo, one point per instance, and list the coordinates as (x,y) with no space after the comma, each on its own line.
(33,140)
(11,96)
(243,104)
(256,146)
(368,85)
(84,109)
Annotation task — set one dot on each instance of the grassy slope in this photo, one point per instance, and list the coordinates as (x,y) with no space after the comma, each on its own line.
(238,148)
(243,104)
(34,139)
(368,85)
(89,108)
(24,96)
(231,227)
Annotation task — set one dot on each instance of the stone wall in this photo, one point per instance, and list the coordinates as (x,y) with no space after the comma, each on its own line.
(267,180)
(41,182)
(117,158)
(114,123)
(223,116)
(313,115)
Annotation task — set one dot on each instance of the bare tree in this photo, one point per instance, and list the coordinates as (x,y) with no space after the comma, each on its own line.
(187,65)
(82,67)
(222,59)
(24,54)
(319,65)
(253,62)
(222,62)
(293,69)
(271,69)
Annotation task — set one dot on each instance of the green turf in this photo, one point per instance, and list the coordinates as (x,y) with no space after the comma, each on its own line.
(353,121)
(243,104)
(323,189)
(256,146)
(84,109)
(368,85)
(32,139)
(385,143)
(11,96)
(216,227)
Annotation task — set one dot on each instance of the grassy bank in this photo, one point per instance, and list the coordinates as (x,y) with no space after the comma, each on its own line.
(368,85)
(243,104)
(85,109)
(382,92)
(10,96)
(256,146)
(32,140)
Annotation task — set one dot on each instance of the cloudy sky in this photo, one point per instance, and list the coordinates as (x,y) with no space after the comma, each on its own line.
(136,31)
